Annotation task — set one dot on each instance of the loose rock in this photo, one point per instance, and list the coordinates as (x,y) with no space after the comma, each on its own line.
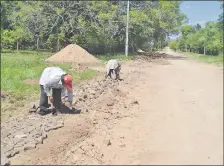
(111,103)
(40,140)
(29,146)
(92,92)
(21,136)
(44,135)
(12,153)
(31,110)
(4,160)
(109,143)
(135,102)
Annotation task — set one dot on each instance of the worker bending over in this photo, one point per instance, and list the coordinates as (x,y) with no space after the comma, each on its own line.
(113,65)
(61,84)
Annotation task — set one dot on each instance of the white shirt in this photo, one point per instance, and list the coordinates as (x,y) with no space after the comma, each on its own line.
(51,78)
(112,64)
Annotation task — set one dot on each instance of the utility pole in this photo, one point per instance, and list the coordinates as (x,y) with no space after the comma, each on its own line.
(126,43)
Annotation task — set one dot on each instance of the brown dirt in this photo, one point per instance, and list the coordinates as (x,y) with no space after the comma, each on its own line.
(160,114)
(4,94)
(73,54)
(32,81)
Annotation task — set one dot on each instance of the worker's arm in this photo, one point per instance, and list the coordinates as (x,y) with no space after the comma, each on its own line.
(70,97)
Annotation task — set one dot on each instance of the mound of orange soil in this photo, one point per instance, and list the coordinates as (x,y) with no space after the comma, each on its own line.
(73,54)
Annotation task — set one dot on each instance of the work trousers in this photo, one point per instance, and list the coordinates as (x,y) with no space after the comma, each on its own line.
(56,93)
(111,72)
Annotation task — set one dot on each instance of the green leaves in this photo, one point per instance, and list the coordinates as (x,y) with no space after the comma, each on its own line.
(207,40)
(96,25)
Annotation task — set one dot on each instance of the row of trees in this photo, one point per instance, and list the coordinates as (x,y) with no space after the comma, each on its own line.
(207,40)
(98,26)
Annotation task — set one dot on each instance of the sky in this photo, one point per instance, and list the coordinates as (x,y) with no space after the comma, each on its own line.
(200,11)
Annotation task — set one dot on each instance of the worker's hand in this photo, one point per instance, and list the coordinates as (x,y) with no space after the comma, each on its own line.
(51,99)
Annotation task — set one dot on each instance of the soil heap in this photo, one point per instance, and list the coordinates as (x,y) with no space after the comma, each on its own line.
(73,54)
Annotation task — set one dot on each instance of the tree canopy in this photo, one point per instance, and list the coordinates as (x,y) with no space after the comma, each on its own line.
(207,40)
(98,26)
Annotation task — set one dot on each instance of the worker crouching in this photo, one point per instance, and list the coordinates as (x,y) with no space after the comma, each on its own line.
(61,84)
(113,66)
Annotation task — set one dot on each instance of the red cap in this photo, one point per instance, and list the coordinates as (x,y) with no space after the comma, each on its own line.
(68,81)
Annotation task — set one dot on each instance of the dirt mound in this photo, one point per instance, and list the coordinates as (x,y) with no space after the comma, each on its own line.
(73,54)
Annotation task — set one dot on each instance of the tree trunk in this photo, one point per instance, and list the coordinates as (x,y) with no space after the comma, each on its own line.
(58,43)
(161,44)
(38,43)
(204,50)
(17,45)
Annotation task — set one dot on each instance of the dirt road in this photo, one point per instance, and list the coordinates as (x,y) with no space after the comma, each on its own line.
(165,112)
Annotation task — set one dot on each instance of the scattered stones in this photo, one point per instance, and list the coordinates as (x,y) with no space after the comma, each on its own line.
(21,136)
(135,102)
(44,135)
(95,122)
(110,103)
(12,153)
(17,146)
(109,143)
(92,92)
(31,110)
(29,146)
(5,161)
(25,132)
(40,140)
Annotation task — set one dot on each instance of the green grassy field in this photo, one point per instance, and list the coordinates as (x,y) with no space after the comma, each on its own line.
(217,60)
(17,67)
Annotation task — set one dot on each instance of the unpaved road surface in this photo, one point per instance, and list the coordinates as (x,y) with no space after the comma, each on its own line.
(163,112)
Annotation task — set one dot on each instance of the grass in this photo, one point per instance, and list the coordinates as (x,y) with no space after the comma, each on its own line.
(217,60)
(17,67)
(120,57)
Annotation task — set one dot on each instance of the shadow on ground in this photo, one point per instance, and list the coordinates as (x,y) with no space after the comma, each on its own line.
(66,110)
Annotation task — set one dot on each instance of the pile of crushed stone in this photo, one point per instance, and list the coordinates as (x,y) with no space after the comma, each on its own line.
(73,54)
